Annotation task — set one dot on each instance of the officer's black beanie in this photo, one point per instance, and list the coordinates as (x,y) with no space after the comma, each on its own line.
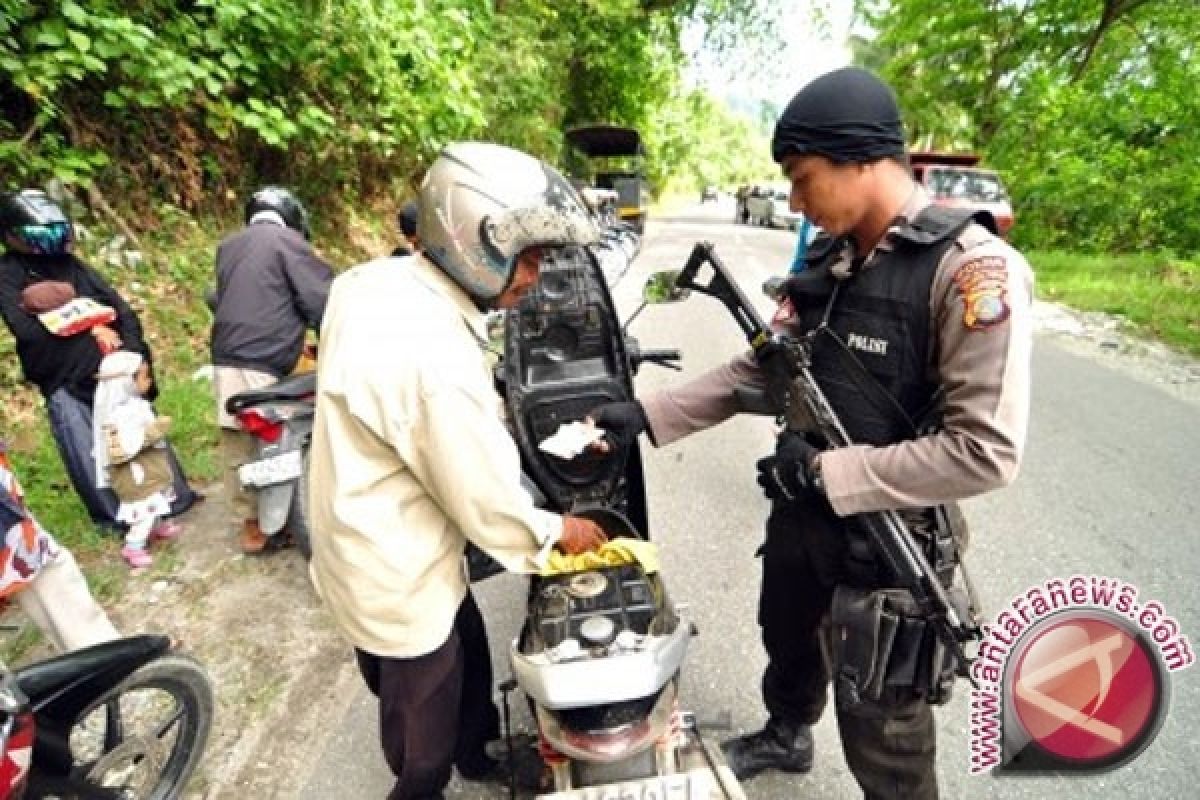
(848,116)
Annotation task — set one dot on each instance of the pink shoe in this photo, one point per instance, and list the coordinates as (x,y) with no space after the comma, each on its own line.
(136,557)
(166,530)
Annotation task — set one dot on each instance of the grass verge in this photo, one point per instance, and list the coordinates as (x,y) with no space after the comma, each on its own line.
(1157,294)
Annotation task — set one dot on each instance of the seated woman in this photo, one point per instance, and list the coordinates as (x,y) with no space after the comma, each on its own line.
(42,577)
(60,346)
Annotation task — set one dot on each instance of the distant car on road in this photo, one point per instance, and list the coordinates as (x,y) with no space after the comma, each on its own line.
(954,180)
(710,193)
(768,205)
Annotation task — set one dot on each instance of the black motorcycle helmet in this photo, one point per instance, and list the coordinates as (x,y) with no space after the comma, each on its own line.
(406,220)
(30,222)
(283,203)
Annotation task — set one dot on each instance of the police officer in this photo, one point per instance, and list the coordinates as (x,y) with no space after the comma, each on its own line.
(923,349)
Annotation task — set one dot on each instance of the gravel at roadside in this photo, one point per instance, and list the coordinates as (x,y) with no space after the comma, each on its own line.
(1105,338)
(258,628)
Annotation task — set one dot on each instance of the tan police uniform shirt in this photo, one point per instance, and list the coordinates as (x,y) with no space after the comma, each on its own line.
(410,459)
(981,343)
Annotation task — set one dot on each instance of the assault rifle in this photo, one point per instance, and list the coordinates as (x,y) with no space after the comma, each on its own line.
(786,362)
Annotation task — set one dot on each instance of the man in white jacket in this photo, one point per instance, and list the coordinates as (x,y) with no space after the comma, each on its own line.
(411,459)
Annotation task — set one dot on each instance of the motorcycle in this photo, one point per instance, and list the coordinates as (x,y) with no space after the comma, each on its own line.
(601,650)
(280,417)
(120,720)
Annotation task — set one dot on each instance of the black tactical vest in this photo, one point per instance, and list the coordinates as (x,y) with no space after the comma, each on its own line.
(871,350)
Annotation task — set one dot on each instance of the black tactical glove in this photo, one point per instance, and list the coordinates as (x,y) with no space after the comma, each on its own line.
(622,422)
(775,361)
(789,475)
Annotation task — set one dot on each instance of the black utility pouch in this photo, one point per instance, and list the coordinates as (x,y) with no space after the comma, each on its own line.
(864,633)
(884,650)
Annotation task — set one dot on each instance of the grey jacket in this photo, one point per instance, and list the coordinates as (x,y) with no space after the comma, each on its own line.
(271,287)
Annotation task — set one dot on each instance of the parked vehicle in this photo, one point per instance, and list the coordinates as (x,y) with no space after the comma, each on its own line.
(954,180)
(126,720)
(768,205)
(601,650)
(616,161)
(710,193)
(280,417)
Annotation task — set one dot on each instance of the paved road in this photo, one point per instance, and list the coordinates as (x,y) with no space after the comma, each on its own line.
(1108,488)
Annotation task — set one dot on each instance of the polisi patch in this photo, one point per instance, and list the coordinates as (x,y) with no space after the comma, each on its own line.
(983,284)
(867,344)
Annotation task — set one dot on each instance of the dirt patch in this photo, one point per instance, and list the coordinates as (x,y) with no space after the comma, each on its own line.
(253,622)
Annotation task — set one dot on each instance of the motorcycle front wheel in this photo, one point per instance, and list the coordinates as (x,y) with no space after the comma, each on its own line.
(144,738)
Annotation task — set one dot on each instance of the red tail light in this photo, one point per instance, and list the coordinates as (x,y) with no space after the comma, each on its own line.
(258,424)
(611,745)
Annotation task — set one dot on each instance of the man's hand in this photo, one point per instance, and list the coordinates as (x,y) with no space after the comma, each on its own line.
(580,535)
(788,475)
(108,340)
(622,422)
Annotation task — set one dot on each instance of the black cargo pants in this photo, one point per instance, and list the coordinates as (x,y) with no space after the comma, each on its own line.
(889,747)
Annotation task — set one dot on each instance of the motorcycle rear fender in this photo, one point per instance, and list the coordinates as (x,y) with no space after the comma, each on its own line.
(63,686)
(274,503)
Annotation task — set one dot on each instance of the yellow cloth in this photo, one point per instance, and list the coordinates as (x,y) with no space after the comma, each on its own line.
(612,553)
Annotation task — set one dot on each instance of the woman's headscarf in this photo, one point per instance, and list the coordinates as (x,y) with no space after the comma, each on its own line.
(115,388)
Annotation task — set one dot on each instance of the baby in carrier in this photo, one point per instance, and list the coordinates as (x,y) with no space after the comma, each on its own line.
(131,453)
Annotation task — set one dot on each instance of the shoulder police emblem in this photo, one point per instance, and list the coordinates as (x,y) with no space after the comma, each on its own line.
(983,284)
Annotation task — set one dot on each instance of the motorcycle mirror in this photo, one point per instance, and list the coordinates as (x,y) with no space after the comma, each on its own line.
(661,287)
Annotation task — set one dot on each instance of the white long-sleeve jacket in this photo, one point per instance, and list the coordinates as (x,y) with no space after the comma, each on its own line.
(410,459)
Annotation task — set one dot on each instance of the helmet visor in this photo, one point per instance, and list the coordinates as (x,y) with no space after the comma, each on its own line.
(48,239)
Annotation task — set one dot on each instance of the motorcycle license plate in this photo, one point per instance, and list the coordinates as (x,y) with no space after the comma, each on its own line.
(270,471)
(695,784)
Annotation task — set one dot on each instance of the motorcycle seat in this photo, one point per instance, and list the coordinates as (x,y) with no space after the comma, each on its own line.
(45,680)
(295,387)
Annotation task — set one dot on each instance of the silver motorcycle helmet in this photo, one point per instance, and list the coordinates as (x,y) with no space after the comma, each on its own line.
(482,204)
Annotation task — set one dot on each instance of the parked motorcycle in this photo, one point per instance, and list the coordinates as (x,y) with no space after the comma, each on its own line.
(280,417)
(601,650)
(123,720)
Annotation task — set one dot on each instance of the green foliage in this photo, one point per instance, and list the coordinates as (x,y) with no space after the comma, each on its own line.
(191,102)
(1087,107)
(1157,293)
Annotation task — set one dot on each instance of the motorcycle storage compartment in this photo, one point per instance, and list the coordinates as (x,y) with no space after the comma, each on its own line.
(564,356)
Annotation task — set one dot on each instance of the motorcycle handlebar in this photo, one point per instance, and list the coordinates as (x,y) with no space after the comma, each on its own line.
(664,358)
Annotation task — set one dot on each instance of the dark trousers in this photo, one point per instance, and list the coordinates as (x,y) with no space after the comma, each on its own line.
(71,426)
(890,746)
(436,710)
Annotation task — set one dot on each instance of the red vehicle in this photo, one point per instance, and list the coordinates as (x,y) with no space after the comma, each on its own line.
(954,180)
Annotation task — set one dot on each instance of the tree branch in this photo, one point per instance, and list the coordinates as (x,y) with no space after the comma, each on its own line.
(1114,10)
(95,198)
